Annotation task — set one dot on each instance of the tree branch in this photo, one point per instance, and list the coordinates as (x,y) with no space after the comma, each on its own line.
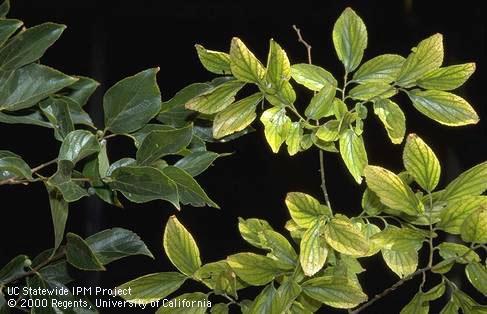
(17,180)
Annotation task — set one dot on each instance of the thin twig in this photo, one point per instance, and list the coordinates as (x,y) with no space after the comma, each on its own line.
(41,166)
(322,159)
(17,180)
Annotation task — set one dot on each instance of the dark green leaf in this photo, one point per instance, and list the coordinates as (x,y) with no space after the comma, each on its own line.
(13,166)
(285,296)
(214,61)
(81,90)
(32,117)
(4,9)
(78,145)
(161,143)
(196,162)
(153,287)
(181,248)
(80,255)
(62,181)
(113,244)
(7,27)
(13,269)
(132,102)
(29,45)
(57,112)
(263,302)
(59,214)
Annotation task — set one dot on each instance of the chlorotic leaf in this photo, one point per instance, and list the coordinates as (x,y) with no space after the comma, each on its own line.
(477,275)
(278,66)
(343,236)
(305,209)
(254,269)
(311,76)
(391,115)
(353,153)
(214,61)
(456,210)
(313,249)
(215,99)
(471,182)
(294,138)
(382,69)
(276,127)
(321,105)
(402,263)
(245,66)
(474,227)
(447,78)
(337,292)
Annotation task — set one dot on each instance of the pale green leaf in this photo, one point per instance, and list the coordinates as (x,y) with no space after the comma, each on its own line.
(215,99)
(337,292)
(254,269)
(392,191)
(285,296)
(329,132)
(421,162)
(443,107)
(477,275)
(350,39)
(321,105)
(263,302)
(180,247)
(381,69)
(251,229)
(236,117)
(294,137)
(353,153)
(458,252)
(371,91)
(312,76)
(455,212)
(152,287)
(392,117)
(427,56)
(447,78)
(313,249)
(474,227)
(470,183)
(343,236)
(402,263)
(399,239)
(276,127)
(132,102)
(278,66)
(245,66)
(417,305)
(214,61)
(305,209)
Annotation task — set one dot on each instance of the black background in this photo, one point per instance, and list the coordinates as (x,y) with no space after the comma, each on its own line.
(109,40)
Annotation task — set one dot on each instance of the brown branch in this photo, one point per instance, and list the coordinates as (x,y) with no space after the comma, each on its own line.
(17,180)
(304,42)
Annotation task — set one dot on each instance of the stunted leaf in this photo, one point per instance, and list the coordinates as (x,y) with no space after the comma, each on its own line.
(392,191)
(236,117)
(447,78)
(153,287)
(335,291)
(421,162)
(443,107)
(312,76)
(216,99)
(245,66)
(29,45)
(214,61)
(305,209)
(313,249)
(321,105)
(277,126)
(381,69)
(161,143)
(343,236)
(470,183)
(181,248)
(80,255)
(403,262)
(132,102)
(350,39)
(353,153)
(278,66)
(427,56)
(391,115)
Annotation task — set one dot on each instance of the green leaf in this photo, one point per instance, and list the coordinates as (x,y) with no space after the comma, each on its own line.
(4,9)
(313,249)
(144,184)
(417,305)
(443,107)
(470,183)
(392,117)
(460,253)
(251,229)
(285,296)
(421,162)
(294,137)
(371,203)
(455,212)
(435,293)
(31,117)
(24,87)
(305,209)
(189,191)
(321,105)
(196,162)
(59,214)
(215,99)
(77,145)
(477,275)
(57,112)
(158,144)
(236,117)
(214,61)
(328,132)
(392,191)
(350,39)
(343,236)
(8,27)
(280,248)
(13,269)
(92,170)
(263,302)
(29,45)
(402,263)
(245,66)
(80,255)
(112,244)
(81,90)
(211,275)
(132,102)
(153,287)
(371,91)
(219,308)
(337,292)
(254,269)
(399,239)
(381,69)
(278,66)
(12,166)
(447,78)
(474,227)
(467,304)
(311,76)
(353,153)
(427,56)
(70,190)
(276,127)
(180,247)
(198,300)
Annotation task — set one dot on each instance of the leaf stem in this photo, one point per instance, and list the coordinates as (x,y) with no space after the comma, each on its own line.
(430,240)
